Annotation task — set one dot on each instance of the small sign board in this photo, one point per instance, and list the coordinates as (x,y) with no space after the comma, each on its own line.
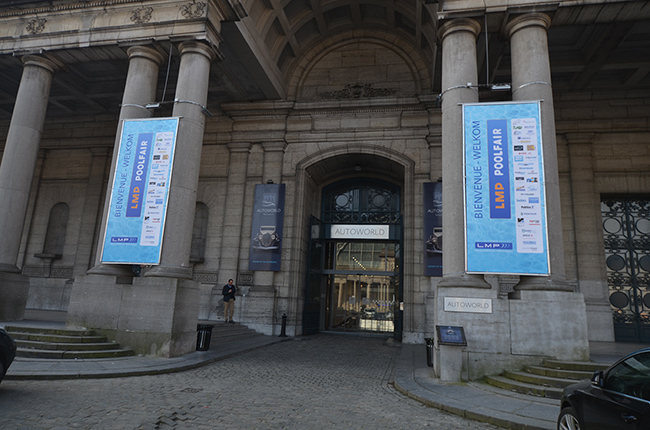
(451,335)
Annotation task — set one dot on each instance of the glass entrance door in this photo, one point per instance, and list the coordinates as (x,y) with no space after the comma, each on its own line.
(365,303)
(362,287)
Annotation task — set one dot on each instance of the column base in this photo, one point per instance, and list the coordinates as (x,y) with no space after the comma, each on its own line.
(543,283)
(153,316)
(176,272)
(111,270)
(463,281)
(13,291)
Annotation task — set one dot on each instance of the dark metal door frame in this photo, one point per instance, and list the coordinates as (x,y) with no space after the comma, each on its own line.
(626,228)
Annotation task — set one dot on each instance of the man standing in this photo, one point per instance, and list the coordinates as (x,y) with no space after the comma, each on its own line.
(229,291)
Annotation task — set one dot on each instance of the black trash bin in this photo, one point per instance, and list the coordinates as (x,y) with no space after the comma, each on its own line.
(203,335)
(429,343)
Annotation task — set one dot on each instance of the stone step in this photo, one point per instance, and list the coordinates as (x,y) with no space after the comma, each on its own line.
(55,338)
(544,381)
(51,331)
(573,375)
(582,366)
(72,355)
(523,387)
(67,346)
(63,343)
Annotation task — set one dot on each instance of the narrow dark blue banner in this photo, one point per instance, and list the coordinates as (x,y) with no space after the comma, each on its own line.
(266,230)
(499,168)
(432,228)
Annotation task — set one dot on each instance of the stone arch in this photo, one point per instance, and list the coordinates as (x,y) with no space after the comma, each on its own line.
(307,199)
(411,57)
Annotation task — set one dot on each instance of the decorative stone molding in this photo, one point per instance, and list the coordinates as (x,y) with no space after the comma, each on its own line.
(141,15)
(48,272)
(36,25)
(245,278)
(34,271)
(205,277)
(357,91)
(193,10)
(61,272)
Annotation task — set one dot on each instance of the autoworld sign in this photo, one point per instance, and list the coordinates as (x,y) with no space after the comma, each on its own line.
(464,304)
(356,231)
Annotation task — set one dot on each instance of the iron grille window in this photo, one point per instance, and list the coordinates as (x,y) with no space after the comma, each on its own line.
(361,202)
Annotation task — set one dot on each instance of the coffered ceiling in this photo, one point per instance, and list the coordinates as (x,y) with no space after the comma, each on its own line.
(603,47)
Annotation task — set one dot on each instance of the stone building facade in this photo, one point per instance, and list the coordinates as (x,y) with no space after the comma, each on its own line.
(353,106)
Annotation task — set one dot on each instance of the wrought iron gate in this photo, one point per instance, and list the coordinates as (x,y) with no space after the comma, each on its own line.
(626,226)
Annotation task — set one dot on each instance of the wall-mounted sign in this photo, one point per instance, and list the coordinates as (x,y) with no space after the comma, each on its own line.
(139,193)
(451,335)
(505,207)
(359,231)
(465,304)
(432,192)
(266,231)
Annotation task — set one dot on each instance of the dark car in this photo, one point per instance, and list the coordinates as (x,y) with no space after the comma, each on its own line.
(615,398)
(7,352)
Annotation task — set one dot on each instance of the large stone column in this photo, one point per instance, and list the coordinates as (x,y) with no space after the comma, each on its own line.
(273,156)
(592,274)
(16,173)
(459,69)
(95,300)
(531,81)
(459,80)
(191,98)
(234,212)
(259,308)
(140,89)
(546,317)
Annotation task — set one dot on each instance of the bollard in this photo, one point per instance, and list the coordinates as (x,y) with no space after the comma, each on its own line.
(283,332)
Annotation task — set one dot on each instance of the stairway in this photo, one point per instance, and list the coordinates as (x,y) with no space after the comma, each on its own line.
(63,343)
(546,380)
(223,332)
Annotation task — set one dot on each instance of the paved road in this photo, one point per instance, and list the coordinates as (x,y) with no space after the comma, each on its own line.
(325,381)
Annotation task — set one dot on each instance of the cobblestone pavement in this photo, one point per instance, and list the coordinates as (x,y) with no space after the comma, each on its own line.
(324,381)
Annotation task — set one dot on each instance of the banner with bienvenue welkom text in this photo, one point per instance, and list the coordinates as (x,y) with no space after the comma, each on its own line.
(140,190)
(505,209)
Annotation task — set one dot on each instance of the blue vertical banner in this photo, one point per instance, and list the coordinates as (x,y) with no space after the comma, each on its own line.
(432,193)
(139,193)
(505,207)
(266,230)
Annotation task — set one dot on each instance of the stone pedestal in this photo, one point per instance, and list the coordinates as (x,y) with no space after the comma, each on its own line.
(13,296)
(256,306)
(450,363)
(153,316)
(549,324)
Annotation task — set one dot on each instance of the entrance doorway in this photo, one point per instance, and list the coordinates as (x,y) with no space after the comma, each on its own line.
(353,279)
(362,303)
(362,287)
(626,227)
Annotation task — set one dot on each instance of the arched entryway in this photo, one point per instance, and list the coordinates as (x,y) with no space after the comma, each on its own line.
(354,274)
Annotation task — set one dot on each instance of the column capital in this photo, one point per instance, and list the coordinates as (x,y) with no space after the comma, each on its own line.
(147,52)
(459,24)
(239,147)
(274,146)
(527,20)
(42,61)
(198,47)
